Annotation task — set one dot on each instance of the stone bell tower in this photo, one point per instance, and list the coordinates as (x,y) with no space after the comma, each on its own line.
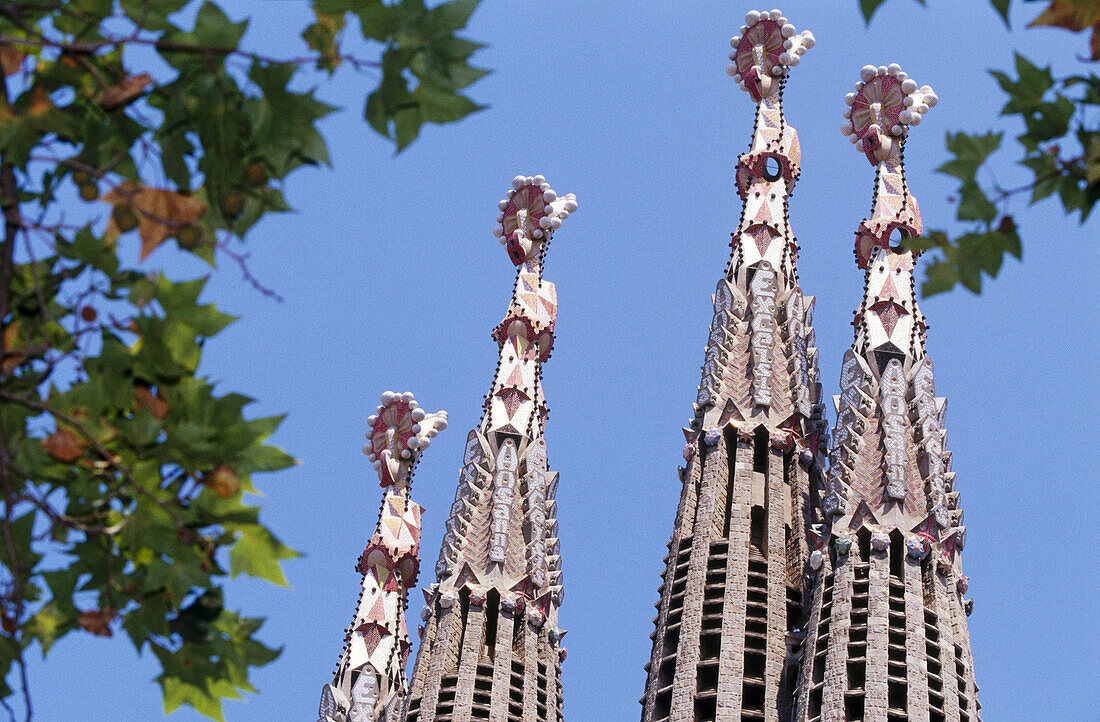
(490,646)
(727,627)
(887,631)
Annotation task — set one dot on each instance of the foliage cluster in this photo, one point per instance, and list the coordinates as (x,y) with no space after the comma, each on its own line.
(122,469)
(1060,148)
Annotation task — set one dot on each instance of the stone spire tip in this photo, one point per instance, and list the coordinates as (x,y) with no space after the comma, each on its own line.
(765,49)
(885,104)
(529,215)
(399,431)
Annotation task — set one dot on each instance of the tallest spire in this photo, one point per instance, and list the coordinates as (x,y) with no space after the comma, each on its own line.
(731,598)
(490,643)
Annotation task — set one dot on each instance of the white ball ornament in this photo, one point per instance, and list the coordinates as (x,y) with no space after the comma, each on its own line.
(517,182)
(372,419)
(425,443)
(731,70)
(867,72)
(808,39)
(387,397)
(788,31)
(752,17)
(909,86)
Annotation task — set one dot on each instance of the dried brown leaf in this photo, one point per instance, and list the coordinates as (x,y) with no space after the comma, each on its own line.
(11,59)
(1076,16)
(124,91)
(40,102)
(144,398)
(160,212)
(98,623)
(63,445)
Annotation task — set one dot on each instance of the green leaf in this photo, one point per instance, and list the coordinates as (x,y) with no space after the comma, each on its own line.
(973,204)
(205,698)
(257,553)
(940,277)
(451,16)
(868,8)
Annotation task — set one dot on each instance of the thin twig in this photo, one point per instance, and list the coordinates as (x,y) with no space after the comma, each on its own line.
(242,261)
(170,46)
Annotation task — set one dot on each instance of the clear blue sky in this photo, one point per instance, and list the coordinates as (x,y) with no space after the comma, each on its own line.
(392,280)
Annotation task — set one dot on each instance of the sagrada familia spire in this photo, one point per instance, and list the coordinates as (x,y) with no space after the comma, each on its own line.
(491,646)
(369,683)
(731,600)
(805,581)
(887,623)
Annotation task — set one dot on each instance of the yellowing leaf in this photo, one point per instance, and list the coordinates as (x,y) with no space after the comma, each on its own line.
(63,445)
(1074,15)
(124,91)
(160,212)
(11,59)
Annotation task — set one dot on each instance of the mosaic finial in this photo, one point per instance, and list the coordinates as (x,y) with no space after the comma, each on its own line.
(400,430)
(765,49)
(529,214)
(885,104)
